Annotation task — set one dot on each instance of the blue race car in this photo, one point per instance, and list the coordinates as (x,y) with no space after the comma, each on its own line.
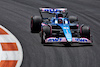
(57,26)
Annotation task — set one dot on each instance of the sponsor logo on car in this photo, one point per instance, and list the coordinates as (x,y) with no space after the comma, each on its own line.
(80,40)
(52,10)
(55,40)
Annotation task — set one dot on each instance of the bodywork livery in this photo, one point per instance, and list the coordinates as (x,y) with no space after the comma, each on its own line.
(61,32)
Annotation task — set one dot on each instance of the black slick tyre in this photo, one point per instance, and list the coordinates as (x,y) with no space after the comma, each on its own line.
(36,24)
(85,31)
(45,33)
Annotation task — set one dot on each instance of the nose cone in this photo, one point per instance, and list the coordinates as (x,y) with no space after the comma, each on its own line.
(67,32)
(68,37)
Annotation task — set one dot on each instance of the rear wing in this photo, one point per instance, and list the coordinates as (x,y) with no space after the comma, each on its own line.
(53,11)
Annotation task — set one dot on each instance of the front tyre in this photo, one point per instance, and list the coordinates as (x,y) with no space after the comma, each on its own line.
(85,31)
(45,33)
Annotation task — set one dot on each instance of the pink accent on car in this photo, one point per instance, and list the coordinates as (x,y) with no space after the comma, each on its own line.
(42,9)
(59,17)
(81,40)
(63,39)
(44,24)
(63,10)
(77,25)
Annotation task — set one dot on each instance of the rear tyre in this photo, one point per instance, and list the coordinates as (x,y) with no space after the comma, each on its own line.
(85,31)
(36,24)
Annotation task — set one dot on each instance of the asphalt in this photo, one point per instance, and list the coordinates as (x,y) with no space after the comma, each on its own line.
(15,16)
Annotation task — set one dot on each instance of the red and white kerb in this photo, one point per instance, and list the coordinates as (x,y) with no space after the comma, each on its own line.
(11,54)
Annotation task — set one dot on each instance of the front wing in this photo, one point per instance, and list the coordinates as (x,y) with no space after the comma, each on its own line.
(63,39)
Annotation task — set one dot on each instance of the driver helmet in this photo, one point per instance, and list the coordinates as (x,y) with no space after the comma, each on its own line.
(60,21)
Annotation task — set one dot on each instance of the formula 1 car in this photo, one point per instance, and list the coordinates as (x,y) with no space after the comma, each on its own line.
(59,27)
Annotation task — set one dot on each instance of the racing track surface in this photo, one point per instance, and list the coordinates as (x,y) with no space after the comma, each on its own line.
(15,16)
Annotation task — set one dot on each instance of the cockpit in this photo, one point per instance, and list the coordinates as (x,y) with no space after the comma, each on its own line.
(61,21)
